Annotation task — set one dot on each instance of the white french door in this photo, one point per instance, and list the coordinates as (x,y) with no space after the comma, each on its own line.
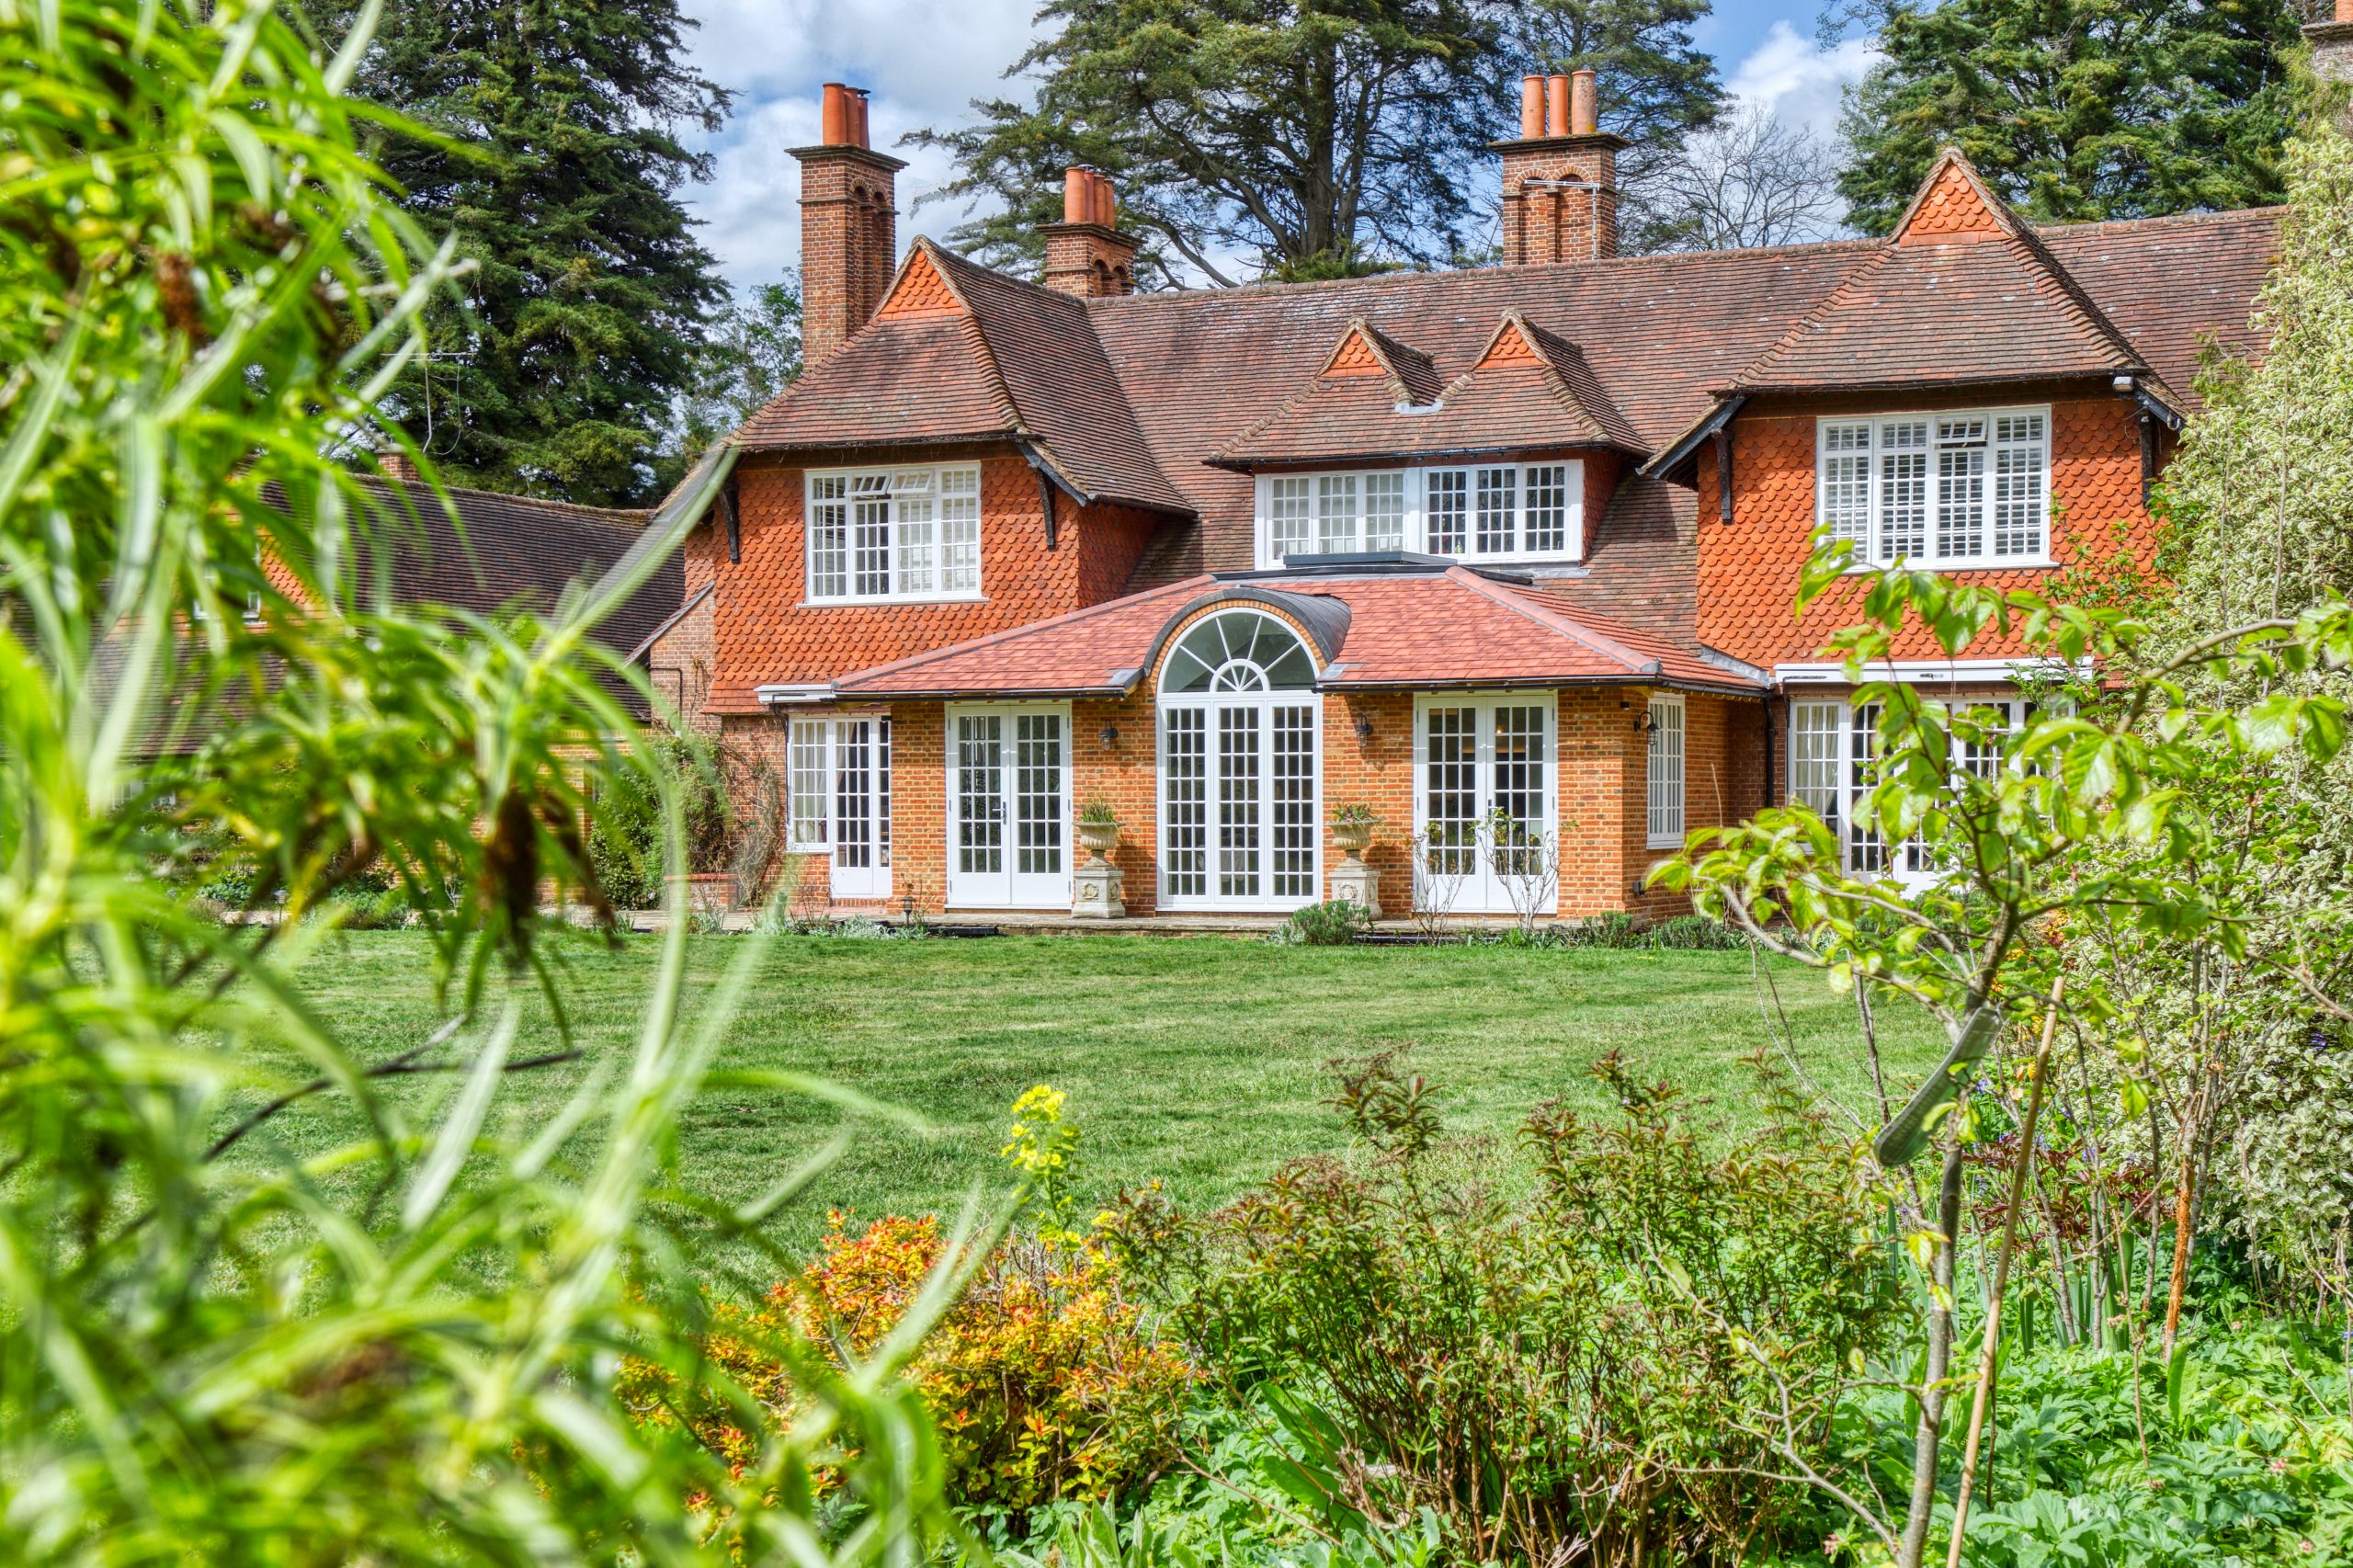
(840,801)
(1483,800)
(1008,807)
(1240,826)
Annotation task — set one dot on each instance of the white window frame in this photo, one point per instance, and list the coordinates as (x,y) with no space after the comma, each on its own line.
(1019,890)
(1482,892)
(929,516)
(1257,706)
(1816,775)
(1667,734)
(1297,511)
(1940,438)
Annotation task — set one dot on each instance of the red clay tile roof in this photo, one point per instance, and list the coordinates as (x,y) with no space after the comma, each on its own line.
(1658,338)
(1016,361)
(1526,389)
(1425,624)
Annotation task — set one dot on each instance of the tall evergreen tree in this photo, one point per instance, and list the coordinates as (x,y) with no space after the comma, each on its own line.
(557,163)
(1655,90)
(1302,138)
(2074,108)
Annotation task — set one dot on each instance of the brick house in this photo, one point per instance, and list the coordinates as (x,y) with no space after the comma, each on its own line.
(1507,551)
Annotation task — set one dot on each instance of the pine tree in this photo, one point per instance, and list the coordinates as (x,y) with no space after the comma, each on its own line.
(2075,109)
(1304,138)
(557,162)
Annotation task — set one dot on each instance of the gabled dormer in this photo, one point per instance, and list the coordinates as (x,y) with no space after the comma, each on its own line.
(1380,450)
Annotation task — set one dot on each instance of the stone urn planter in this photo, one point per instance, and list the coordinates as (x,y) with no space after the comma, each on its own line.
(1098,838)
(1353,881)
(1096,887)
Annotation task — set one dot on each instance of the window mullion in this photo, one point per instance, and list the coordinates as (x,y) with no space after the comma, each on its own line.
(1874,553)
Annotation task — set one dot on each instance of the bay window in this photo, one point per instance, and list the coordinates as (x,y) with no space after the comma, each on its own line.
(1939,490)
(903,533)
(1494,511)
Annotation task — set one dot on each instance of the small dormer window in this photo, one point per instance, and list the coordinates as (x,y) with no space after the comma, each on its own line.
(1943,490)
(1526,512)
(895,534)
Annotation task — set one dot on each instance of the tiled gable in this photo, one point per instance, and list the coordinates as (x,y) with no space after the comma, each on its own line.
(1953,202)
(920,291)
(1355,356)
(1000,361)
(1965,293)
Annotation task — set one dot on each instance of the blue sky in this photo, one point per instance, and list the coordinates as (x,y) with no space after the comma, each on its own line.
(926,59)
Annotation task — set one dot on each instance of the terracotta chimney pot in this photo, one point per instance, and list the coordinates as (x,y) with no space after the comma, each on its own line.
(858,118)
(1531,106)
(834,118)
(1111,201)
(1076,193)
(1096,202)
(1583,116)
(1556,108)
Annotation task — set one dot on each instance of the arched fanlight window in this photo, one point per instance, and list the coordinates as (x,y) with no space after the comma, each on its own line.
(1239,651)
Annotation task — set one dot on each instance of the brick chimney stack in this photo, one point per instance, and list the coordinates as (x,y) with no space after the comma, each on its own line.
(850,225)
(1561,174)
(2332,44)
(1085,252)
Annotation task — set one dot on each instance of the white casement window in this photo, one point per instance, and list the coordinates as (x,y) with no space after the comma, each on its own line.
(1942,490)
(1489,511)
(1666,772)
(1832,745)
(895,534)
(1484,771)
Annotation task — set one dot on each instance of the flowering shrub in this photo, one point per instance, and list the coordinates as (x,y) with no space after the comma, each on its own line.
(1042,1381)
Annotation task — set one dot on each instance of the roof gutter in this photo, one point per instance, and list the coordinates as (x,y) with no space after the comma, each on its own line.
(1247,463)
(1648,677)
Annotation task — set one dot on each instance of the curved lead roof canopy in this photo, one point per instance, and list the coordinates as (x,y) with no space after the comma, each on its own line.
(1238,649)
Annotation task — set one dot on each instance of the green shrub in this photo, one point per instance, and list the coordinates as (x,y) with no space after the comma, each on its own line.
(1332,923)
(625,842)
(1616,1337)
(1697,934)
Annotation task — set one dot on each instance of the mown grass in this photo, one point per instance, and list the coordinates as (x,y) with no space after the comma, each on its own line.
(1198,1061)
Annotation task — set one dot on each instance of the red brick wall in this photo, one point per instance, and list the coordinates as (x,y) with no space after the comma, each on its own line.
(1601,780)
(849,242)
(1559,224)
(680,664)
(1749,570)
(764,632)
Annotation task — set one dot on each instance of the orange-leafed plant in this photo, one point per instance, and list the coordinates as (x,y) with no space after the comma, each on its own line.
(1042,1379)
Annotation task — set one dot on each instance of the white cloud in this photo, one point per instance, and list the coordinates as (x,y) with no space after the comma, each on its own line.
(1792,77)
(925,60)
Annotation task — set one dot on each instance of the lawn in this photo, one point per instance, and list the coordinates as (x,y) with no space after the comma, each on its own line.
(1198,1061)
